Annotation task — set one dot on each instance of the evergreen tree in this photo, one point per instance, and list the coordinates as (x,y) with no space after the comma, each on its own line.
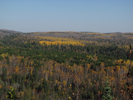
(107,91)
(4,74)
(45,86)
(92,96)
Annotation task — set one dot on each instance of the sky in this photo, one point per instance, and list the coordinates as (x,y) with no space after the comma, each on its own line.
(67,15)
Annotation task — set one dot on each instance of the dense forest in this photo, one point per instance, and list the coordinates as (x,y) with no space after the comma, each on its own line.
(66,66)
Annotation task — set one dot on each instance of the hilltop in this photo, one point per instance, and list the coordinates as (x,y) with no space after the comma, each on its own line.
(115,38)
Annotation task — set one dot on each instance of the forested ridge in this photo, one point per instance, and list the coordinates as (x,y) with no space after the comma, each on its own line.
(66,65)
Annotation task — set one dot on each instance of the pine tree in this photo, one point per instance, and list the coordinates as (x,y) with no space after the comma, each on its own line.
(107,91)
(45,86)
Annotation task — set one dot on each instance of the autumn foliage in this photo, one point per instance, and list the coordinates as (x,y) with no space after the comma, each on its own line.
(66,65)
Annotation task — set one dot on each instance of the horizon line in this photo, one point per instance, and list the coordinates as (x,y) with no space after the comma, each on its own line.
(63,31)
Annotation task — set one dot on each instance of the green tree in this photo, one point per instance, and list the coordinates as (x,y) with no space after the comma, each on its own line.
(107,91)
(4,74)
(1,58)
(45,86)
(11,94)
(8,62)
(92,96)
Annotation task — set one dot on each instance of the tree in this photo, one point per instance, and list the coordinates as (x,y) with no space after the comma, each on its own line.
(11,94)
(107,91)
(7,58)
(4,74)
(45,86)
(17,69)
(92,96)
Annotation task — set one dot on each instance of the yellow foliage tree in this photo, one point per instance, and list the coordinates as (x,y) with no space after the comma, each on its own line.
(102,65)
(64,83)
(128,62)
(17,69)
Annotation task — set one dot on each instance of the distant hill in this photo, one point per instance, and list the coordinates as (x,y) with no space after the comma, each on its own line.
(9,31)
(13,31)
